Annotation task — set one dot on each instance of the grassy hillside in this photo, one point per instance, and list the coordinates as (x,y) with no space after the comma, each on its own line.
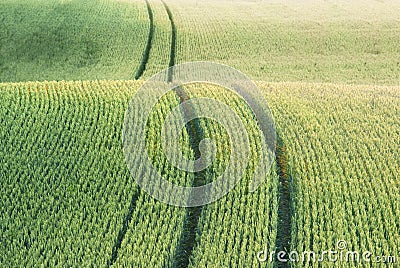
(71,40)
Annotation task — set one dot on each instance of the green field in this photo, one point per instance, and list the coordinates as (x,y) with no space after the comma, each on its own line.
(330,72)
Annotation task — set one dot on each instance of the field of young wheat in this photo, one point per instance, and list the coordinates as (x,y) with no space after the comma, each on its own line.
(71,193)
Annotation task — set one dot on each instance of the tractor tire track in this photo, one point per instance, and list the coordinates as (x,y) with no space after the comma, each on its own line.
(284,226)
(146,53)
(132,205)
(173,41)
(187,239)
(124,229)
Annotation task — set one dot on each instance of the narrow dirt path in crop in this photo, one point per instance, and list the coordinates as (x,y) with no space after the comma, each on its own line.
(146,53)
(132,205)
(187,239)
(122,232)
(284,207)
(173,41)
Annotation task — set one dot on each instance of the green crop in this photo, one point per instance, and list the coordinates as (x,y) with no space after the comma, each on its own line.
(67,196)
(71,40)
(342,150)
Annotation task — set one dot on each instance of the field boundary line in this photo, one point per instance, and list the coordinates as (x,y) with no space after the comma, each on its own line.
(146,53)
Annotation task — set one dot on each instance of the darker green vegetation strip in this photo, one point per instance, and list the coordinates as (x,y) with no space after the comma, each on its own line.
(139,73)
(284,207)
(173,41)
(187,240)
(146,53)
